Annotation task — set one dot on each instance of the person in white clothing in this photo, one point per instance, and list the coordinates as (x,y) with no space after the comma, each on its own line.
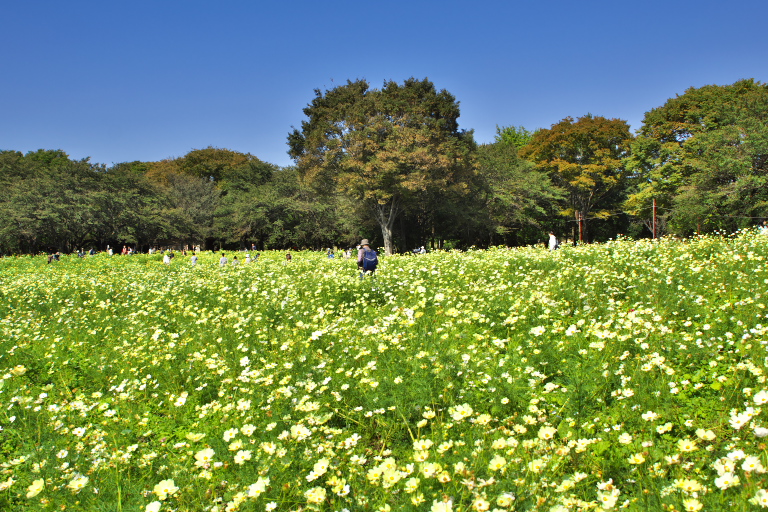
(553,243)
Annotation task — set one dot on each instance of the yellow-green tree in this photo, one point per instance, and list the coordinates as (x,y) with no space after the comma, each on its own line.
(586,159)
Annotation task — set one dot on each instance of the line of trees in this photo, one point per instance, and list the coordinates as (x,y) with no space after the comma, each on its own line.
(392,164)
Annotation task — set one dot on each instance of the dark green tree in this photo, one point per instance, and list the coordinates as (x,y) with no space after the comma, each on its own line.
(132,208)
(520,199)
(47,202)
(704,157)
(192,204)
(218,164)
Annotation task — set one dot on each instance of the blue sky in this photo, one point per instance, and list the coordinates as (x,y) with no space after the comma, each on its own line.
(119,81)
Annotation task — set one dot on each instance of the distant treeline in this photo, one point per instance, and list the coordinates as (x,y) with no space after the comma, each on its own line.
(392,166)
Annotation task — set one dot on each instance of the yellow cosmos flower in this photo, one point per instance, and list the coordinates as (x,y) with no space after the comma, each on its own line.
(36,488)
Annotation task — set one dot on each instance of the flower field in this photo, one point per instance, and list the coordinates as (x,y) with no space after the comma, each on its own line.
(628,375)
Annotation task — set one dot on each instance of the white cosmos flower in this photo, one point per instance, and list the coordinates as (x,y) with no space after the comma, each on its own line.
(442,506)
(760,499)
(726,480)
(165,488)
(204,457)
(242,456)
(459,412)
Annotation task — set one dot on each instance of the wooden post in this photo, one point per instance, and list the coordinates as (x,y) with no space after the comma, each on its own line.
(573,233)
(654,218)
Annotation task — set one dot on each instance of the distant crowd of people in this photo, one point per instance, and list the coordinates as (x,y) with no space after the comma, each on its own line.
(367,258)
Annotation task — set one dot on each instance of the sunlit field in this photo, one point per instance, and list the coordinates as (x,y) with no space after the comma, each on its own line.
(627,375)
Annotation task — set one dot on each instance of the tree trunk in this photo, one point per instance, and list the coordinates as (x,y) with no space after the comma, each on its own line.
(385,216)
(386,233)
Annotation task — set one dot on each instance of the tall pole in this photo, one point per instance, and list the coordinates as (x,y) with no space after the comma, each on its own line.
(573,233)
(581,228)
(654,218)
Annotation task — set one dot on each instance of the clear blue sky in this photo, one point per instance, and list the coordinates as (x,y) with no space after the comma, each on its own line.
(119,81)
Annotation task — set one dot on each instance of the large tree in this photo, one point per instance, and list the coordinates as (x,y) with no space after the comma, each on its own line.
(47,202)
(384,148)
(132,208)
(207,184)
(518,196)
(703,157)
(585,158)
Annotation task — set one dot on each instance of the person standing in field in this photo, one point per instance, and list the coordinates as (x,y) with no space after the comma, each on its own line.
(367,259)
(553,242)
(193,259)
(167,258)
(288,257)
(223,260)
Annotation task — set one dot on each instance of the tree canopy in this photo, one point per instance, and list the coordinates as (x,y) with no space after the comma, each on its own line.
(512,136)
(387,148)
(585,158)
(703,156)
(520,199)
(394,160)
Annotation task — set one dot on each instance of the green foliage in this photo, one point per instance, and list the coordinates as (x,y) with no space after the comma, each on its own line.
(216,164)
(388,148)
(512,136)
(393,160)
(47,202)
(586,159)
(193,201)
(704,157)
(520,199)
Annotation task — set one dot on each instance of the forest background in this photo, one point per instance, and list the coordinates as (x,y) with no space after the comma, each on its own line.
(392,165)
